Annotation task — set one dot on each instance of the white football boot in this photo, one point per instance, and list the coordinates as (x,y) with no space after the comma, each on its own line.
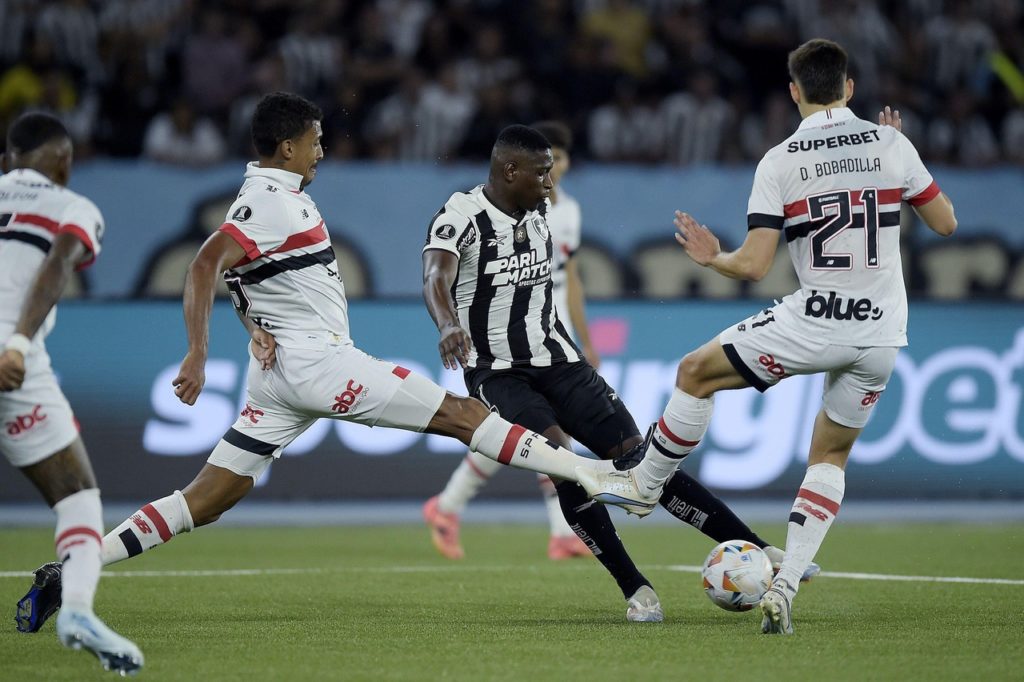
(777,609)
(618,488)
(644,607)
(80,629)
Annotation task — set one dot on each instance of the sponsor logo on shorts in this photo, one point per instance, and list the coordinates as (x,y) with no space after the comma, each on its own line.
(870,398)
(252,413)
(836,308)
(24,422)
(771,366)
(352,394)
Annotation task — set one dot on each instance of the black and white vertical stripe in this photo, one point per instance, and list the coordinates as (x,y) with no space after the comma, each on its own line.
(512,324)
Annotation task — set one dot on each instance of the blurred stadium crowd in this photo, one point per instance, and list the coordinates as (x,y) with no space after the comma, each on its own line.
(645,81)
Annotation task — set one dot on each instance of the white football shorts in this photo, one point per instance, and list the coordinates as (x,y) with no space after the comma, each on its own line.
(336,382)
(771,345)
(36,420)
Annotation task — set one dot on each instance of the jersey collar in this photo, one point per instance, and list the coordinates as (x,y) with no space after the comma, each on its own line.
(821,118)
(291,181)
(30,175)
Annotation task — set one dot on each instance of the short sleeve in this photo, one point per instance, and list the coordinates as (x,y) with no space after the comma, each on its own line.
(450,231)
(918,185)
(765,207)
(83,219)
(258,225)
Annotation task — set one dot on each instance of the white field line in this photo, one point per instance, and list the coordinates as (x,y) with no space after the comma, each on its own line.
(886,577)
(476,569)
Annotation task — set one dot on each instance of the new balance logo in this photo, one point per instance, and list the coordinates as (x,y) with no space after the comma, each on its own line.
(141,524)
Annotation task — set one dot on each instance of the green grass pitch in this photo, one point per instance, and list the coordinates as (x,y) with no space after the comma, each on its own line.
(359,603)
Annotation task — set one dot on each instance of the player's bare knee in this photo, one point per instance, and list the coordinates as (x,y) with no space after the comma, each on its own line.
(458,417)
(690,375)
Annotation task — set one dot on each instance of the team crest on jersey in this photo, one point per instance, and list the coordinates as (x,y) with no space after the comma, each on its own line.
(445,232)
(520,234)
(540,226)
(241,214)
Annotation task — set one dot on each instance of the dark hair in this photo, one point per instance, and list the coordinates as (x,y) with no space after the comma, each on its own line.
(34,129)
(522,138)
(281,116)
(557,133)
(819,68)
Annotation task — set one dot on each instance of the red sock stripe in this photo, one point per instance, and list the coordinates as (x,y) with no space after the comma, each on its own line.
(476,470)
(673,437)
(820,500)
(508,448)
(78,530)
(158,521)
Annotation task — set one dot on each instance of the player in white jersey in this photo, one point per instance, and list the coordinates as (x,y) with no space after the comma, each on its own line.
(442,512)
(46,232)
(276,256)
(834,189)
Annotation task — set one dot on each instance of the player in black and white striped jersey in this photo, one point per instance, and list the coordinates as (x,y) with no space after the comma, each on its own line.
(442,511)
(487,284)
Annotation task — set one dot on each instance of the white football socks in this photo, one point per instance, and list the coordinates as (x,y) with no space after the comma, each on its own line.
(466,481)
(814,509)
(154,524)
(513,445)
(78,540)
(678,432)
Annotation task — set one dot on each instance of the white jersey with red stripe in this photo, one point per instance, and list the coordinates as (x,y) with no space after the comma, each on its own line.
(564,222)
(33,211)
(834,187)
(288,282)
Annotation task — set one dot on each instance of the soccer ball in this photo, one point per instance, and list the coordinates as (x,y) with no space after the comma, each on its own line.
(736,575)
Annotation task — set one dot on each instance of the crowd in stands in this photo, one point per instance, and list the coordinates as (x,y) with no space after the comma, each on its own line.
(642,81)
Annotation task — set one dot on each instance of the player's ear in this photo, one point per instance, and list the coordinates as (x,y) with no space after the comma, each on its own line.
(286,149)
(510,170)
(849,89)
(794,93)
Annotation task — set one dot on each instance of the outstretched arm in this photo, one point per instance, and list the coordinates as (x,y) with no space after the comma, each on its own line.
(66,252)
(439,271)
(751,261)
(215,256)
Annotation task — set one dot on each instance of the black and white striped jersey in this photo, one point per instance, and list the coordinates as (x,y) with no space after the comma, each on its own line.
(503,288)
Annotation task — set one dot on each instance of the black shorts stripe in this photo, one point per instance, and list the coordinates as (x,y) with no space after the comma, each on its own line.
(745,372)
(775,222)
(131,543)
(27,238)
(797,518)
(248,443)
(480,308)
(887,219)
(276,267)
